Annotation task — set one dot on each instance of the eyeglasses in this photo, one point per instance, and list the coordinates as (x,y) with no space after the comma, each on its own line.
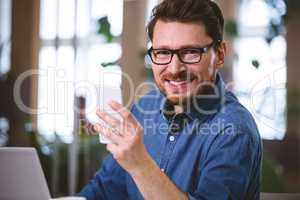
(185,55)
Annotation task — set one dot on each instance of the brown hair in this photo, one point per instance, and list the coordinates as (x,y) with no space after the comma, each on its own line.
(205,12)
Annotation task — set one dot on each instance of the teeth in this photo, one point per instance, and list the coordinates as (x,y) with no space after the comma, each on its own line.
(178,82)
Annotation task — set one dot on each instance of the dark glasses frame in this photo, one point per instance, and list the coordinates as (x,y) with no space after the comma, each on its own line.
(179,54)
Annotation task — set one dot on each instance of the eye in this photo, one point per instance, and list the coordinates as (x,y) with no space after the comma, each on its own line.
(190,52)
(161,52)
(190,55)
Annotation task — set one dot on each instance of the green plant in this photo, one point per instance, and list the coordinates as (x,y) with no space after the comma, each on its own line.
(104,29)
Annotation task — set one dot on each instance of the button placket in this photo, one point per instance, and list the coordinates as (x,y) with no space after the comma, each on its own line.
(174,128)
(172,138)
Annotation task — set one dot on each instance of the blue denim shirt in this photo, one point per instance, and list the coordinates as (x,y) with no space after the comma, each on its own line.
(212,151)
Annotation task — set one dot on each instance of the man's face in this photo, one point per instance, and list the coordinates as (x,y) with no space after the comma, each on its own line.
(177,80)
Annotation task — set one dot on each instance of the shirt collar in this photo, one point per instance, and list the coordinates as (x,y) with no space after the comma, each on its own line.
(205,105)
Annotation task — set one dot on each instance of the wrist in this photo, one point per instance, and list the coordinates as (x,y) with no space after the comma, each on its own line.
(147,166)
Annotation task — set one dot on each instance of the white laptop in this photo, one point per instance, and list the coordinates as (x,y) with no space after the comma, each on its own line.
(21,175)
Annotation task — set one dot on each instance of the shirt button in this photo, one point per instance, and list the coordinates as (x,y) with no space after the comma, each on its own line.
(162,169)
(171,138)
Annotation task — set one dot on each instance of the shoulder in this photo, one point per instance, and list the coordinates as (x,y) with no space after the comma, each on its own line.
(236,114)
(236,124)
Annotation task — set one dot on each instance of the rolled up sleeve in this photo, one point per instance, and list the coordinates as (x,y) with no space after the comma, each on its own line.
(108,183)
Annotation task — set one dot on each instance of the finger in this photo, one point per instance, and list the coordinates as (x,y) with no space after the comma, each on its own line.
(109,120)
(130,123)
(108,133)
(123,111)
(91,129)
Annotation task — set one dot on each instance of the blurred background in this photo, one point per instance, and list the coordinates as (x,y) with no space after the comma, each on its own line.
(53,53)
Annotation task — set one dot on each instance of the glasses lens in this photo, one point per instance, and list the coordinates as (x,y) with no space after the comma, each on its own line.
(190,55)
(161,56)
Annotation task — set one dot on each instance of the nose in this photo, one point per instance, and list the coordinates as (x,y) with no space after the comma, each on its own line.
(176,66)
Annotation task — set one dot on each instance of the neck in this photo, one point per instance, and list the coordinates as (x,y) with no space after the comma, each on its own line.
(178,109)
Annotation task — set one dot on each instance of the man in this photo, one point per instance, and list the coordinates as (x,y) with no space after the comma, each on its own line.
(190,138)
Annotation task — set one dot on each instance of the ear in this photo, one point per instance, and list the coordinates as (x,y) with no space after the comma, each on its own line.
(221,53)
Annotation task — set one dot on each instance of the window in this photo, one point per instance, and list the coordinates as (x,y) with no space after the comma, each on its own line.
(262,89)
(71,56)
(5,27)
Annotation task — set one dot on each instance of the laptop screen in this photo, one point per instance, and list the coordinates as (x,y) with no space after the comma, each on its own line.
(21,175)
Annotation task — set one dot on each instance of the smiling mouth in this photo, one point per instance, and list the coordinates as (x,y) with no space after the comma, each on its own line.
(179,82)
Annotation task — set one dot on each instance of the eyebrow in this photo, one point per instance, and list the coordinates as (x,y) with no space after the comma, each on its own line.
(182,47)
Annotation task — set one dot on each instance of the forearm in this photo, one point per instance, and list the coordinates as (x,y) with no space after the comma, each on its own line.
(155,185)
(128,149)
